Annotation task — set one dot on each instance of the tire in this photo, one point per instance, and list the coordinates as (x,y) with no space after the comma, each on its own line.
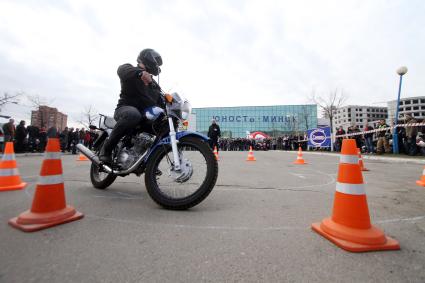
(200,193)
(100,183)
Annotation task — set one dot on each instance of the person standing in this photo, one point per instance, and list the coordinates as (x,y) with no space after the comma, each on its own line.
(411,133)
(70,139)
(20,136)
(382,137)
(43,139)
(338,141)
(214,133)
(368,138)
(9,131)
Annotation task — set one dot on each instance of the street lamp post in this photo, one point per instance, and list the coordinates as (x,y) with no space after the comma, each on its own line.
(400,71)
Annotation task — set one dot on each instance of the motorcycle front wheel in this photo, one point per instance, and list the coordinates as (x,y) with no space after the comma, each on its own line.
(188,187)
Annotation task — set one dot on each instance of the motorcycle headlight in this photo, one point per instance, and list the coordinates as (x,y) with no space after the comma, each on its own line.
(185,115)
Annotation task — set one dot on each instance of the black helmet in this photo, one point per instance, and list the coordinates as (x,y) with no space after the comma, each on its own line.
(151,59)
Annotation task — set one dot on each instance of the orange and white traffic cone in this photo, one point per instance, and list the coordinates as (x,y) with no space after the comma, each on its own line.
(49,207)
(216,153)
(82,157)
(361,161)
(350,227)
(9,173)
(300,159)
(421,182)
(250,155)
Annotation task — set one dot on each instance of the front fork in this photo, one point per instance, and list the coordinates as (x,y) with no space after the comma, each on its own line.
(174,145)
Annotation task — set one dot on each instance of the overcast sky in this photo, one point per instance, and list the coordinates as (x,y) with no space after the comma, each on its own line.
(216,53)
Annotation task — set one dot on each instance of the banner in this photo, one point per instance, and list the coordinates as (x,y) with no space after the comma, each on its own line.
(320,137)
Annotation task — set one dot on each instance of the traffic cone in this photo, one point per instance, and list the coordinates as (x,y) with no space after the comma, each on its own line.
(361,161)
(82,157)
(216,153)
(421,182)
(300,159)
(250,155)
(350,227)
(9,173)
(49,206)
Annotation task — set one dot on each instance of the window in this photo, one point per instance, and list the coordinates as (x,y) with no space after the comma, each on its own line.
(361,120)
(360,115)
(422,100)
(416,108)
(349,109)
(407,108)
(368,115)
(415,101)
(407,102)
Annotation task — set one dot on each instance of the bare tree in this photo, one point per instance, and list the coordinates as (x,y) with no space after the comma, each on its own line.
(330,103)
(8,98)
(88,116)
(304,116)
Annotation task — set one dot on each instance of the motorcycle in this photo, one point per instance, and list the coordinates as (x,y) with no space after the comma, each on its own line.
(179,166)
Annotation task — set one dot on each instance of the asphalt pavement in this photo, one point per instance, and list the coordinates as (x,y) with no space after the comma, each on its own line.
(254,227)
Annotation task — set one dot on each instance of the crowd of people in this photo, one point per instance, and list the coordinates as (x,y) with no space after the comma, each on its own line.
(34,139)
(410,138)
(287,142)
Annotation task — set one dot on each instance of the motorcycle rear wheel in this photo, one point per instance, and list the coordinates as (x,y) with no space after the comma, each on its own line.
(164,190)
(100,180)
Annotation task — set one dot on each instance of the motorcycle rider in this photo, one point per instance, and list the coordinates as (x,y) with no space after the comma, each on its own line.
(137,94)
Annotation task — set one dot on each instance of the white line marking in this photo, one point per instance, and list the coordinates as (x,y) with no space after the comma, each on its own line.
(183,226)
(97,196)
(411,219)
(298,175)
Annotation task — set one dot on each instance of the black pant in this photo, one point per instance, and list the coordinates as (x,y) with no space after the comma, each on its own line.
(411,146)
(127,117)
(213,143)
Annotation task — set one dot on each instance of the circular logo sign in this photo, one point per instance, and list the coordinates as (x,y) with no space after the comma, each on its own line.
(317,137)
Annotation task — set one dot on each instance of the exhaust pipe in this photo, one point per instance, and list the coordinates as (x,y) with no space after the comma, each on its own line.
(93,157)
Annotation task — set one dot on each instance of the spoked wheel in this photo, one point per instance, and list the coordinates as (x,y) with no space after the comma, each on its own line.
(188,187)
(100,180)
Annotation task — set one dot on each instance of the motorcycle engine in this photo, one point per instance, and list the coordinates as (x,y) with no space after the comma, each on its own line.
(128,156)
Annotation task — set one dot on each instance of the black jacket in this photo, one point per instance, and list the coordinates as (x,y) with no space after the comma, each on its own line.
(133,91)
(214,131)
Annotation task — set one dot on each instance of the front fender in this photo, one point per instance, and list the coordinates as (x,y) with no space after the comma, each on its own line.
(183,134)
(179,135)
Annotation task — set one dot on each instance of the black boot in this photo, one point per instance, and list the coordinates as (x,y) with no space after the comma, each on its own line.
(105,154)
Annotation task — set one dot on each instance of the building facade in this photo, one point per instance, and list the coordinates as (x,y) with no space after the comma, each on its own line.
(409,105)
(48,117)
(350,115)
(237,122)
